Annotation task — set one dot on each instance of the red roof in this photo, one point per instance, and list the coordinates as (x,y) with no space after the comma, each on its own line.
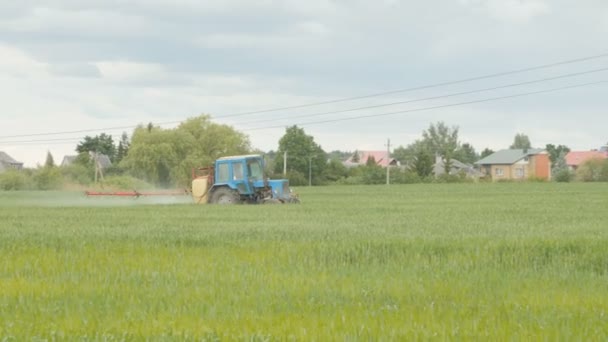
(576,158)
(381,158)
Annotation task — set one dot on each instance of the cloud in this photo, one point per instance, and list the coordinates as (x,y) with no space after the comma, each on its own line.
(510,10)
(75,70)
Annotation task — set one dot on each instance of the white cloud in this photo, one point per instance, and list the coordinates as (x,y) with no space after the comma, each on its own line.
(96,22)
(510,10)
(16,63)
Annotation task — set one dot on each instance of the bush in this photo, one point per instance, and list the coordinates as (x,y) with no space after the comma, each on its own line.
(460,177)
(563,176)
(48,178)
(352,180)
(78,173)
(593,170)
(13,180)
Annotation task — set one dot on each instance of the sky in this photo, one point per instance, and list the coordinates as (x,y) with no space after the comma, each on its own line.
(72,65)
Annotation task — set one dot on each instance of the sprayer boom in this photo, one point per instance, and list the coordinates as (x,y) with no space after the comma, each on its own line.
(136,193)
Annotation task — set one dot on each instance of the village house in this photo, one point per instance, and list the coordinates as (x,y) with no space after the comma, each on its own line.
(516,164)
(575,158)
(8,163)
(456,167)
(103,160)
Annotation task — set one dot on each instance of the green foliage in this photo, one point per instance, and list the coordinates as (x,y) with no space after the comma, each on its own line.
(486,152)
(460,177)
(335,171)
(374,175)
(593,170)
(556,152)
(563,176)
(49,162)
(296,178)
(443,141)
(405,263)
(101,143)
(48,178)
(355,157)
(521,141)
(78,173)
(301,150)
(560,170)
(165,157)
(125,183)
(466,154)
(423,163)
(404,176)
(14,180)
(123,148)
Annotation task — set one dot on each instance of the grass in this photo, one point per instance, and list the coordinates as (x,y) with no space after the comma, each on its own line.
(452,261)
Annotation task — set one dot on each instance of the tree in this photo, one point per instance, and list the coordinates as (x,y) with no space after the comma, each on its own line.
(123,147)
(355,158)
(555,152)
(335,171)
(301,150)
(166,157)
(443,141)
(50,162)
(405,155)
(486,152)
(102,143)
(521,141)
(560,170)
(466,154)
(423,163)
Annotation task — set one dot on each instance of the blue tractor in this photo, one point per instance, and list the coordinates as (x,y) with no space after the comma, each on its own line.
(239,179)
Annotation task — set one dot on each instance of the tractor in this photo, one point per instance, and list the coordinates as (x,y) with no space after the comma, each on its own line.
(239,179)
(231,180)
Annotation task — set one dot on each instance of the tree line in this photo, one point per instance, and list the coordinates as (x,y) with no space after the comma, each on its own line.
(159,157)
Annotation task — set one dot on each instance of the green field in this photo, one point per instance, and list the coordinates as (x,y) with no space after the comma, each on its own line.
(446,261)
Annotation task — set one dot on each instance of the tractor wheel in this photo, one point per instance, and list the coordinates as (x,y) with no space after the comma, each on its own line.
(225,196)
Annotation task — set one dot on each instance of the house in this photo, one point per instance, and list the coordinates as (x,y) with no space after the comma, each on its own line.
(103,160)
(517,164)
(68,160)
(457,167)
(381,158)
(575,158)
(7,163)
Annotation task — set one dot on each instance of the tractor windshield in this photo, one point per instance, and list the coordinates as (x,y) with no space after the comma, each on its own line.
(255,169)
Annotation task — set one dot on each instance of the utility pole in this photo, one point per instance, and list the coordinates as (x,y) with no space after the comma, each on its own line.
(285,164)
(388,162)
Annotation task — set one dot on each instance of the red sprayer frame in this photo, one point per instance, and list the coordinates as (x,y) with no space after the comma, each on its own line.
(135,193)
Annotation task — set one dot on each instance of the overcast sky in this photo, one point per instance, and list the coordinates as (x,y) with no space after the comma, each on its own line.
(73,65)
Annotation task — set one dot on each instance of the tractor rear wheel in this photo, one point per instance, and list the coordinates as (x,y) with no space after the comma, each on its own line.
(225,196)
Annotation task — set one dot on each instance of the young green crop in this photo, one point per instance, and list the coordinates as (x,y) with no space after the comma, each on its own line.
(451,261)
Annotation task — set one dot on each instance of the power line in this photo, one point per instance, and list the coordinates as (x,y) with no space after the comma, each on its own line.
(431,98)
(539,67)
(384,114)
(85,130)
(431,108)
(441,84)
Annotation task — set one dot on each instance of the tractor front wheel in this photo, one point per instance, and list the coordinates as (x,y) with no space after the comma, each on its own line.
(225,196)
